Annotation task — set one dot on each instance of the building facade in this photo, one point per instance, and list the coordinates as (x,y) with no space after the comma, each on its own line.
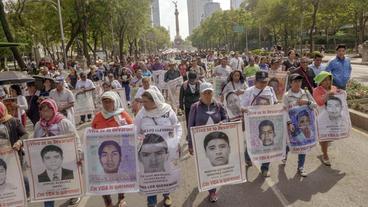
(235,4)
(210,8)
(155,13)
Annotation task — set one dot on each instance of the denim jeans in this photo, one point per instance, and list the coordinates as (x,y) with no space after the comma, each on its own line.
(127,90)
(151,200)
(49,203)
(301,158)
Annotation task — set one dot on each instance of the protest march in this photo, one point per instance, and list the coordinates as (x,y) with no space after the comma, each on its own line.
(138,117)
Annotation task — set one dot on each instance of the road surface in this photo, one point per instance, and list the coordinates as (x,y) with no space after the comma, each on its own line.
(344,184)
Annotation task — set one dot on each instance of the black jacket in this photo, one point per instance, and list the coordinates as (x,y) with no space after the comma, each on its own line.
(187,98)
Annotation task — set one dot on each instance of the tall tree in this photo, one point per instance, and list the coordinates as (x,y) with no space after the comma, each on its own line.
(9,36)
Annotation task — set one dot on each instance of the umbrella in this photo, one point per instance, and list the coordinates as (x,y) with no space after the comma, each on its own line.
(13,77)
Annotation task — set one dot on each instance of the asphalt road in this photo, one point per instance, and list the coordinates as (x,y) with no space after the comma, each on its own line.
(342,185)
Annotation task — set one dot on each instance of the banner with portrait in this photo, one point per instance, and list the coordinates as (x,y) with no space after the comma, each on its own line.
(110,161)
(334,119)
(84,103)
(265,133)
(122,95)
(158,79)
(12,189)
(278,81)
(158,155)
(174,91)
(53,173)
(218,84)
(219,155)
(232,105)
(303,134)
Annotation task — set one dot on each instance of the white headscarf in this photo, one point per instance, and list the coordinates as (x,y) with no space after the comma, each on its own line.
(161,107)
(117,104)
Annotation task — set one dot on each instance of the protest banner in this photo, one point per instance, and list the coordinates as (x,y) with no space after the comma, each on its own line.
(278,81)
(232,105)
(12,189)
(219,155)
(158,157)
(334,119)
(304,129)
(174,91)
(265,133)
(110,161)
(53,173)
(158,79)
(84,103)
(219,84)
(251,80)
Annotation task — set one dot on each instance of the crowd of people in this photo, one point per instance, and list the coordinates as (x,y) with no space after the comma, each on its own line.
(51,107)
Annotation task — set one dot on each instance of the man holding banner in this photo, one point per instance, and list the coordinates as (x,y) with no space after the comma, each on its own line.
(301,125)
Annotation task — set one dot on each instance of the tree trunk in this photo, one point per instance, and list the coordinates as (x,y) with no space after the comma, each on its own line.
(9,37)
(315,4)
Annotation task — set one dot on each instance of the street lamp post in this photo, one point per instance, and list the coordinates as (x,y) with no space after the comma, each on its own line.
(62,35)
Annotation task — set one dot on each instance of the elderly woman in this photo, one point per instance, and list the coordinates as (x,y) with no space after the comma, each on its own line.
(321,94)
(146,84)
(112,115)
(12,133)
(156,112)
(204,112)
(53,123)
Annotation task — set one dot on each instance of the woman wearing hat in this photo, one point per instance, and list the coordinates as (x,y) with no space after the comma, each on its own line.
(204,112)
(321,94)
(294,97)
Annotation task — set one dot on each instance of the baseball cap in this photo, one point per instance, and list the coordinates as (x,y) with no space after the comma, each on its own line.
(205,87)
(295,76)
(262,76)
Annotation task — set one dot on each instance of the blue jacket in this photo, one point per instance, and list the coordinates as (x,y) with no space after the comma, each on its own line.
(341,71)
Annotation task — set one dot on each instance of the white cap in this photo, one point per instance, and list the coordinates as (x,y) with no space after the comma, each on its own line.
(205,87)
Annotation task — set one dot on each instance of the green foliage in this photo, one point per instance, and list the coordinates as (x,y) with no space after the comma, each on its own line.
(285,22)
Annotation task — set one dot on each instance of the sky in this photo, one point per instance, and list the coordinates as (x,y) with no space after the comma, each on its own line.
(167,16)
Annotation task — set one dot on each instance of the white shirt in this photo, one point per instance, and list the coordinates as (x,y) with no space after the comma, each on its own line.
(115,84)
(222,71)
(236,63)
(142,122)
(141,90)
(268,95)
(22,106)
(87,84)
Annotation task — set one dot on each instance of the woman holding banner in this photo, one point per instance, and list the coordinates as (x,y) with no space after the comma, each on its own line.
(235,82)
(205,112)
(112,115)
(156,112)
(12,129)
(321,94)
(53,123)
(296,96)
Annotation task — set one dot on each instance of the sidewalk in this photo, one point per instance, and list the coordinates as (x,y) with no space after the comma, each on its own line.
(354,60)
